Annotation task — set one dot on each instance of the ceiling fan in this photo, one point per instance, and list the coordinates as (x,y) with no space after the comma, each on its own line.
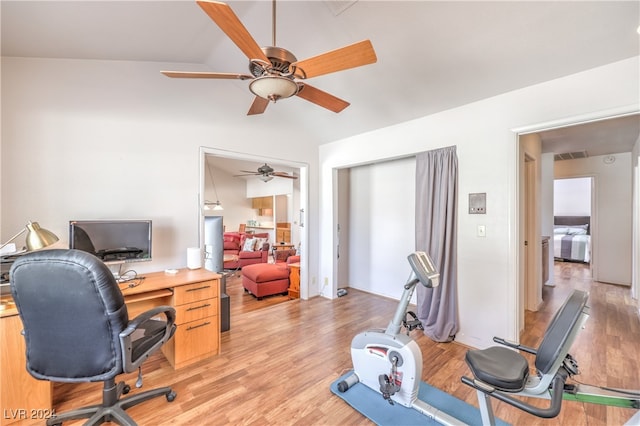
(276,72)
(266,173)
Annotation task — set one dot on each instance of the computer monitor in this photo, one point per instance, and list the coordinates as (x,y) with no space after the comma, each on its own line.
(113,241)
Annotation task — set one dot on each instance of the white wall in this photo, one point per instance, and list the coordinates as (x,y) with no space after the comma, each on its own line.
(258,188)
(484,134)
(233,197)
(572,196)
(114,139)
(382,226)
(612,219)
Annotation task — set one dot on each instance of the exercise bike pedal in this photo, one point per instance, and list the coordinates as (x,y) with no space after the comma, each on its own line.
(387,388)
(412,324)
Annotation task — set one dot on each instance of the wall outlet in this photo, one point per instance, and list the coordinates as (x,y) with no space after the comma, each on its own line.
(324,286)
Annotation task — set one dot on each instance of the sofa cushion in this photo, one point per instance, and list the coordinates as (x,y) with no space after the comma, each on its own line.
(250,254)
(231,236)
(231,245)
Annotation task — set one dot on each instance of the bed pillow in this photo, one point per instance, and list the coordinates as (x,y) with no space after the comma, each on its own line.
(560,230)
(577,230)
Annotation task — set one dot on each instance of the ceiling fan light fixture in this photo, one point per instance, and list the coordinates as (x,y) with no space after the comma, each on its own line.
(266,178)
(273,87)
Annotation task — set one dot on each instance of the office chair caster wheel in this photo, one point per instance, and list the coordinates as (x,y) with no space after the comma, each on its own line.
(171,396)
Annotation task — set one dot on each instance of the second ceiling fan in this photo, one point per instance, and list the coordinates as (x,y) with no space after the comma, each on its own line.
(276,72)
(266,173)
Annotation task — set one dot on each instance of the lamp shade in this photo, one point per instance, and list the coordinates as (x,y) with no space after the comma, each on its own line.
(208,205)
(38,237)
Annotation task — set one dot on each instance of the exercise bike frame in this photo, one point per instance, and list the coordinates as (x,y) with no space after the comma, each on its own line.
(551,385)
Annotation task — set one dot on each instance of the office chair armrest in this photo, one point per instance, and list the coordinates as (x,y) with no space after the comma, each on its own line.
(145,334)
(134,324)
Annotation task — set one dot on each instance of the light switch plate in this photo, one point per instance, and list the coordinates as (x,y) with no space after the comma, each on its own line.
(478,203)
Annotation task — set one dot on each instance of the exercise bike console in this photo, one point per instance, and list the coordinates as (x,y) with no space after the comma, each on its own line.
(424,269)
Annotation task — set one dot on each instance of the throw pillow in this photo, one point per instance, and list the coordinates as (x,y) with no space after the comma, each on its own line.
(249,244)
(259,243)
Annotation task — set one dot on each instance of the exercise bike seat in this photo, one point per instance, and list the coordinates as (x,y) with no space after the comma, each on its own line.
(508,371)
(502,368)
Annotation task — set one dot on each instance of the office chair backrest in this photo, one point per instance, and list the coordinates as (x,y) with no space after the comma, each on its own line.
(72,311)
(561,328)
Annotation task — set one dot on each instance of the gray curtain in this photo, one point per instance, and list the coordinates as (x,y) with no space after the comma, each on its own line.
(436,234)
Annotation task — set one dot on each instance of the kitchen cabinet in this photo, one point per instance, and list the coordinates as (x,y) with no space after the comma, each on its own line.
(262,203)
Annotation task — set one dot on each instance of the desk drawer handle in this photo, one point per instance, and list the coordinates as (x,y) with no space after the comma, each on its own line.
(199,307)
(197,326)
(198,288)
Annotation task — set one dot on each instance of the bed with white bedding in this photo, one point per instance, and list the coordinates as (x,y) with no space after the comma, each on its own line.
(572,239)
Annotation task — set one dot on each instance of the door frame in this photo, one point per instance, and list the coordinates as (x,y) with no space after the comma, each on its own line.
(304,201)
(515,301)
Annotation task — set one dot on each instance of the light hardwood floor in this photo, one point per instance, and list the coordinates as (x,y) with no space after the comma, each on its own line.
(281,355)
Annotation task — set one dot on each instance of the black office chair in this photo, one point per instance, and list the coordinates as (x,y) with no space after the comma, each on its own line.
(77,329)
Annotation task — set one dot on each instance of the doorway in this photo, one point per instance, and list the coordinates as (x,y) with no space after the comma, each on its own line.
(573,198)
(596,134)
(299,201)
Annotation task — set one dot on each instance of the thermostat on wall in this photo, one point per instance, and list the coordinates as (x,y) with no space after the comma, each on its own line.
(478,203)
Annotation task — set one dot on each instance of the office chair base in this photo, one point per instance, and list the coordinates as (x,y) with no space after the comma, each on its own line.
(114,412)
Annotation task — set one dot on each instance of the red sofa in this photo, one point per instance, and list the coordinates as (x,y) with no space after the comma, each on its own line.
(282,256)
(234,244)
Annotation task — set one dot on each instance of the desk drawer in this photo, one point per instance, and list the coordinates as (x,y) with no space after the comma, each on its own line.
(197,291)
(196,310)
(196,340)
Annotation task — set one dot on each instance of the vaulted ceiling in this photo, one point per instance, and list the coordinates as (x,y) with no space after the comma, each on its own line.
(432,55)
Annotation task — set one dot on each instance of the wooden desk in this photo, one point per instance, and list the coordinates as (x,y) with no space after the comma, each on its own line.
(193,293)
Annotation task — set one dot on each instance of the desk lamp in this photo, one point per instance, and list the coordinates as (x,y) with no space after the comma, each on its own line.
(37,237)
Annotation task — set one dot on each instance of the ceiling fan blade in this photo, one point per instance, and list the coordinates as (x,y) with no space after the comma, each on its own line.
(247,174)
(284,175)
(351,56)
(228,21)
(258,106)
(198,74)
(321,98)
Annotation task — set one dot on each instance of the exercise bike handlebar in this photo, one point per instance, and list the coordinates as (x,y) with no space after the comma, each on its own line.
(514,345)
(557,389)
(423,271)
(396,323)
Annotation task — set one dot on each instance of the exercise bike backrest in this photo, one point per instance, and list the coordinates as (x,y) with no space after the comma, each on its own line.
(424,269)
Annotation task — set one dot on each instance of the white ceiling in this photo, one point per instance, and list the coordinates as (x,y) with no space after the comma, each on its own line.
(432,55)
